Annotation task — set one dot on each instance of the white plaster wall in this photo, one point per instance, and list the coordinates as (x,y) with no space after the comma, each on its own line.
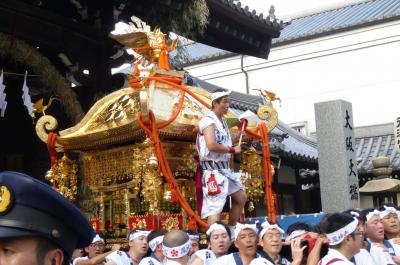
(359,66)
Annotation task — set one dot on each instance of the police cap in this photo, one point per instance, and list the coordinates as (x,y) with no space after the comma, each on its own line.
(29,207)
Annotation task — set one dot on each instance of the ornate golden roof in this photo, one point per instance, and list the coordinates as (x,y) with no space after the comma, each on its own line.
(112,120)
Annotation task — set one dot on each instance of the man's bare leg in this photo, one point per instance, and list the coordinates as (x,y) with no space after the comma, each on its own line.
(213,218)
(238,202)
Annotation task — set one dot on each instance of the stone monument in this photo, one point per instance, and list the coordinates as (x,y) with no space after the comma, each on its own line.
(336,156)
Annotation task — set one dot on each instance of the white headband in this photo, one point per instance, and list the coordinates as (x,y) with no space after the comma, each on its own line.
(155,242)
(297,233)
(195,237)
(388,210)
(335,238)
(240,227)
(97,238)
(371,214)
(137,234)
(355,214)
(218,95)
(214,227)
(267,226)
(177,252)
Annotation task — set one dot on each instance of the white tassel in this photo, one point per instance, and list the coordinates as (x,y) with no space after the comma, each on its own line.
(3,102)
(26,97)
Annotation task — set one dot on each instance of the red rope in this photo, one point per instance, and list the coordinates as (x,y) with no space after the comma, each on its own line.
(151,131)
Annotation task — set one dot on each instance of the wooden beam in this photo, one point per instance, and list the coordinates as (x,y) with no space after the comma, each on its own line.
(42,28)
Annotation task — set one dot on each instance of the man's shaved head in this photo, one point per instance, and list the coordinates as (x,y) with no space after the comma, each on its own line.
(175,238)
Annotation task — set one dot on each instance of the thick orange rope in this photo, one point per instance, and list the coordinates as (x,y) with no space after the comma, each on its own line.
(172,81)
(269,198)
(151,131)
(260,133)
(51,143)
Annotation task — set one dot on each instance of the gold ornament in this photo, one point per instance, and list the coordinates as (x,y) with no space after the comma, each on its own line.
(5,199)
(139,224)
(251,206)
(152,161)
(252,177)
(269,114)
(171,223)
(167,195)
(63,176)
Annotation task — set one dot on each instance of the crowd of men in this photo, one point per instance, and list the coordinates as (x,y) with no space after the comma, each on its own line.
(40,227)
(367,237)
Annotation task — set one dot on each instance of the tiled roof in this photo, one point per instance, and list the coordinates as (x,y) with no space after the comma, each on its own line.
(340,18)
(260,18)
(327,22)
(370,146)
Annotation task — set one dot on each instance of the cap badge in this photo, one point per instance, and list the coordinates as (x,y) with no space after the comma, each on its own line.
(5,199)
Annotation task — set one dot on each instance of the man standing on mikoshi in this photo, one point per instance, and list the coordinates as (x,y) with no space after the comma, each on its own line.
(214,145)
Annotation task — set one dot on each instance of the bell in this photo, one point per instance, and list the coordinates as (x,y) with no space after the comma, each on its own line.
(49,174)
(167,195)
(251,206)
(152,161)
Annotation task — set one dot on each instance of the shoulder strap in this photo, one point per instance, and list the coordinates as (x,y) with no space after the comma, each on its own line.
(237,258)
(266,256)
(369,246)
(389,246)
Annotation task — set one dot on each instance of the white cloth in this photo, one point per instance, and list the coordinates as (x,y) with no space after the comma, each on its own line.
(178,251)
(267,226)
(119,258)
(78,259)
(225,260)
(261,261)
(207,256)
(334,254)
(215,226)
(363,258)
(264,261)
(336,237)
(217,95)
(172,262)
(97,238)
(379,256)
(396,247)
(222,136)
(239,227)
(150,261)
(228,181)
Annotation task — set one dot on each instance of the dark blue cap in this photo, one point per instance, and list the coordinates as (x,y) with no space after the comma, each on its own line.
(29,207)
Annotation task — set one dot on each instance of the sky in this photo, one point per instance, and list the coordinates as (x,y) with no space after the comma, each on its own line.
(286,8)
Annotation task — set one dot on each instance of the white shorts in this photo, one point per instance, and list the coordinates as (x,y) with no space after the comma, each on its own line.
(228,182)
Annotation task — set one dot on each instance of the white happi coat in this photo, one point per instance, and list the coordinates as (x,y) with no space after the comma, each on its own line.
(363,258)
(150,261)
(222,136)
(380,256)
(334,254)
(120,258)
(207,256)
